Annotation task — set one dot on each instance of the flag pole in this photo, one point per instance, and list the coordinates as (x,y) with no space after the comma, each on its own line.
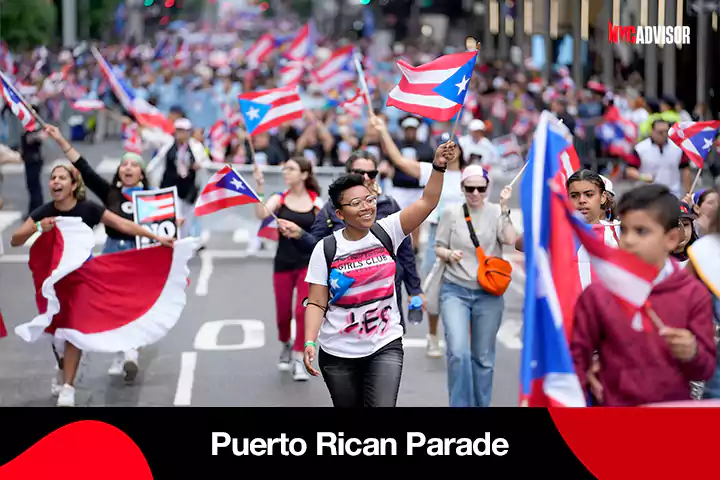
(24,102)
(695,182)
(256,168)
(363,84)
(462,107)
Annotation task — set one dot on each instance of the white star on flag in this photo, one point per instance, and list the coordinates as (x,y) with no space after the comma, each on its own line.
(253,113)
(708,144)
(462,85)
(334,283)
(236,183)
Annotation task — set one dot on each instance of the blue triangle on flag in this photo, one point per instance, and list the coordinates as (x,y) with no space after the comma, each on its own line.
(233,181)
(455,88)
(339,284)
(253,113)
(145,209)
(703,141)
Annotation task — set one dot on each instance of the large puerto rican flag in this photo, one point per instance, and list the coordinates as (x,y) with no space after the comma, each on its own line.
(269,109)
(435,90)
(547,372)
(111,303)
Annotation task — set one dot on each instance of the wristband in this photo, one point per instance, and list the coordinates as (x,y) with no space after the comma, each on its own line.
(312,344)
(438,168)
(38,225)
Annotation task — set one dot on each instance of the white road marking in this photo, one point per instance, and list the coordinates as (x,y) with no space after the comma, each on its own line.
(183,393)
(253,335)
(414,342)
(108,165)
(241,235)
(8,218)
(510,333)
(206,270)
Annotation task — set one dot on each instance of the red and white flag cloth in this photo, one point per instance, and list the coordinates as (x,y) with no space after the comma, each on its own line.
(3,330)
(111,303)
(260,51)
(336,71)
(17,104)
(88,105)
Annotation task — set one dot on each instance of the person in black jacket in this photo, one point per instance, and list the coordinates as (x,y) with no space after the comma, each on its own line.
(364,163)
(116,196)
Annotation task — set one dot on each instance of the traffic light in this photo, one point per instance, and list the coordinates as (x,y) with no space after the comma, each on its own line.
(169,3)
(149,3)
(365,2)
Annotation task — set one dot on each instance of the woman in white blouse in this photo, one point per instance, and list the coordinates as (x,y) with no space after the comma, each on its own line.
(471,316)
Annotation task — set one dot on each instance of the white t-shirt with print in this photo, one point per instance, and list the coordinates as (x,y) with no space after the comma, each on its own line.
(451,194)
(366,317)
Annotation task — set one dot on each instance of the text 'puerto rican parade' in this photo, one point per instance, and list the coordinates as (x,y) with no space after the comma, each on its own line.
(337,444)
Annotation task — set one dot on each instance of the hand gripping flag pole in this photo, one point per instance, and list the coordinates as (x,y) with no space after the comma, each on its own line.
(22,99)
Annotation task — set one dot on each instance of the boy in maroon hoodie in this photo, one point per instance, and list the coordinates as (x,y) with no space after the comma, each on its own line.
(646,366)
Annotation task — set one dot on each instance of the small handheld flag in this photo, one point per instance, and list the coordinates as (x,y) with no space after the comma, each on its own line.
(435,90)
(269,229)
(22,110)
(225,189)
(269,109)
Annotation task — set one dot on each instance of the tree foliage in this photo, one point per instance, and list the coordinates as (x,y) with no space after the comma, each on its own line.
(28,23)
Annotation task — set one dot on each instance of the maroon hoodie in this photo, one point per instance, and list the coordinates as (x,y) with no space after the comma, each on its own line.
(638,367)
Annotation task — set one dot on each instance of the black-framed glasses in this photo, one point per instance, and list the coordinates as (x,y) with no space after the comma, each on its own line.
(370,200)
(471,189)
(370,173)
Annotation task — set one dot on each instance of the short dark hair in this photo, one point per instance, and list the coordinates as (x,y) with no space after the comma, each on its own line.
(659,121)
(360,154)
(346,182)
(654,199)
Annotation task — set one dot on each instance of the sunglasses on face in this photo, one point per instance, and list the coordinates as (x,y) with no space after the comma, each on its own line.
(470,189)
(371,174)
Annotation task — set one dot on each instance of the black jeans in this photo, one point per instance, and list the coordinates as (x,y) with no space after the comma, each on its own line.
(33,170)
(371,381)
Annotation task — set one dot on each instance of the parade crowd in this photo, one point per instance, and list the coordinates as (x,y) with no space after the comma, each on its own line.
(344,254)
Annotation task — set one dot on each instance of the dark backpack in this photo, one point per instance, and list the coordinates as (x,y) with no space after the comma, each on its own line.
(330,245)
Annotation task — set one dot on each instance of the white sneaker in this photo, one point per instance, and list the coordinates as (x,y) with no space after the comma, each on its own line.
(116,367)
(57,382)
(434,348)
(130,365)
(285,361)
(67,396)
(299,372)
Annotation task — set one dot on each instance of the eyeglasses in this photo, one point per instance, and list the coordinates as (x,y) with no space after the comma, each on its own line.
(370,200)
(469,189)
(371,174)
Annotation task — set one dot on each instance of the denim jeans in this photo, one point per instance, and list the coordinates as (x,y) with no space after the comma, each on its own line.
(372,381)
(113,245)
(429,257)
(471,320)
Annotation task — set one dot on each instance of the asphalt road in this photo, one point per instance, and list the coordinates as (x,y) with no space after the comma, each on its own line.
(224,349)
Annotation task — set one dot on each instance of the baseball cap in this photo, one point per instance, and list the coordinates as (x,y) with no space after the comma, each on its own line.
(410,122)
(476,125)
(183,124)
(474,171)
(686,211)
(608,185)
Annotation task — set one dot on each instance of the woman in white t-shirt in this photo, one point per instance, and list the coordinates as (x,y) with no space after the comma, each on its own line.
(352,311)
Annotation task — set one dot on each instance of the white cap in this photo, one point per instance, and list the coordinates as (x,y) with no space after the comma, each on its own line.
(608,185)
(476,125)
(183,124)
(410,122)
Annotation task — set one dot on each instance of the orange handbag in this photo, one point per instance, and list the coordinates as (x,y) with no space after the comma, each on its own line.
(494,273)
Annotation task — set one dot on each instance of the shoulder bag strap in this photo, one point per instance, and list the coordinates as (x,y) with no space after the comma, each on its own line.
(473,237)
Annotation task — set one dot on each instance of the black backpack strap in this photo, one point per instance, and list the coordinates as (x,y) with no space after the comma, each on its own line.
(384,238)
(329,247)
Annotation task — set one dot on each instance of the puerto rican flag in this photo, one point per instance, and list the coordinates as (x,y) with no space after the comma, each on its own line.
(218,139)
(336,71)
(17,104)
(353,106)
(617,134)
(269,109)
(292,72)
(269,229)
(88,105)
(547,372)
(435,90)
(695,139)
(132,142)
(225,189)
(303,44)
(111,303)
(260,51)
(144,112)
(155,208)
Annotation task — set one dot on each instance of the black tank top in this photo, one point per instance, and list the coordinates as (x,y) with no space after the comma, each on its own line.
(288,256)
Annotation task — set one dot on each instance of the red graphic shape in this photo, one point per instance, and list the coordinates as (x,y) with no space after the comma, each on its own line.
(619,443)
(86,450)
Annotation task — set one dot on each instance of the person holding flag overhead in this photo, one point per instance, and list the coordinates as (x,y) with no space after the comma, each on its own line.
(352,322)
(299,204)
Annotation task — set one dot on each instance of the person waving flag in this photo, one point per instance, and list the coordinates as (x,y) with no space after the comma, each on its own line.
(435,90)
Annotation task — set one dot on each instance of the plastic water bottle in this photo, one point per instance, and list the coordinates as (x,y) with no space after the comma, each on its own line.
(415,313)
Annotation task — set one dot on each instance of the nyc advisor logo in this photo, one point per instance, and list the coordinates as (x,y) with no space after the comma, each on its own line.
(655,35)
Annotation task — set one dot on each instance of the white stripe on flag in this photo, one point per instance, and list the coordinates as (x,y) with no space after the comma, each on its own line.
(332,66)
(622,282)
(386,282)
(427,77)
(422,100)
(273,96)
(281,111)
(163,211)
(162,202)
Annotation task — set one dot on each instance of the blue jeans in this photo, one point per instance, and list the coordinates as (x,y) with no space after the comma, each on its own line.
(470,357)
(113,245)
(429,257)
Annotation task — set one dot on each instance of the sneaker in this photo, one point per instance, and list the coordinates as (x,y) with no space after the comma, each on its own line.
(57,382)
(434,349)
(299,372)
(66,398)
(116,367)
(130,365)
(285,357)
